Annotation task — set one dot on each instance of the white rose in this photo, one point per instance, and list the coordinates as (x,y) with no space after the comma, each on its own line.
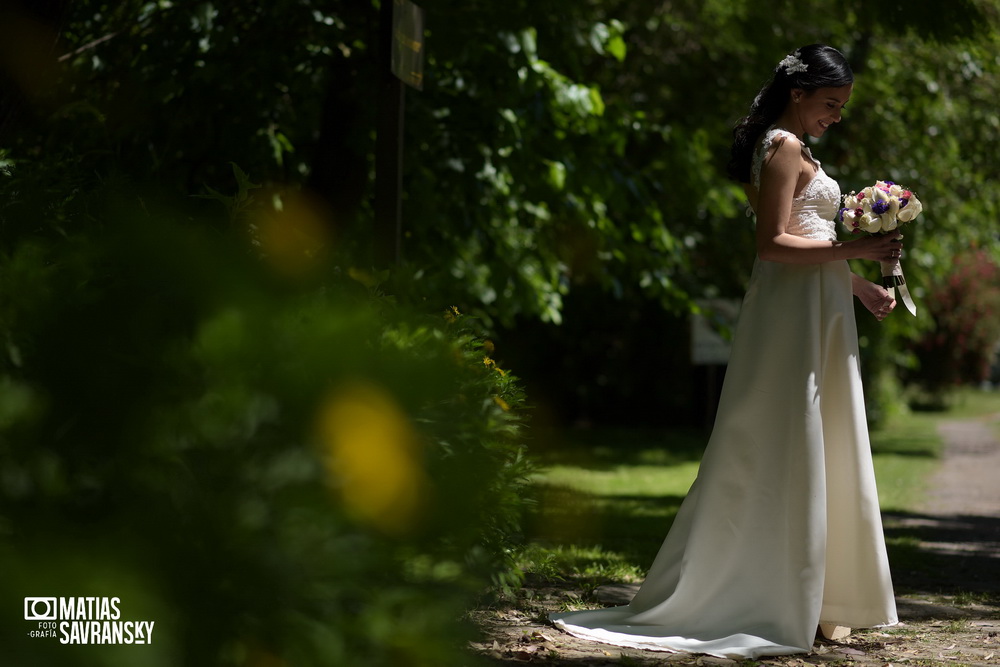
(893,208)
(911,210)
(870,223)
(850,220)
(895,190)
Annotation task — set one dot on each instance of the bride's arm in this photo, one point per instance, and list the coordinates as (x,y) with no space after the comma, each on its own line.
(778,180)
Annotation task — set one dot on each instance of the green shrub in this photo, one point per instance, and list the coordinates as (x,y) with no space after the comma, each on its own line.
(277,467)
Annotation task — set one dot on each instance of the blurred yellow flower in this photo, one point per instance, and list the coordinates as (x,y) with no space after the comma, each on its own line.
(502,403)
(489,363)
(488,346)
(295,234)
(372,458)
(366,278)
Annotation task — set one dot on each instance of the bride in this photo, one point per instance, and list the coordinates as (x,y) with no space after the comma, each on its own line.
(781,531)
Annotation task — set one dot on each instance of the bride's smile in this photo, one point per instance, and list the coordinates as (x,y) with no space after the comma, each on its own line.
(814,112)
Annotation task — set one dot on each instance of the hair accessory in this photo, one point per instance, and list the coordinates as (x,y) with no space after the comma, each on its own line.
(793,63)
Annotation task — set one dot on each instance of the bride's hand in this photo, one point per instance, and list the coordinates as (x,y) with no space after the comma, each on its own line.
(875,298)
(879,247)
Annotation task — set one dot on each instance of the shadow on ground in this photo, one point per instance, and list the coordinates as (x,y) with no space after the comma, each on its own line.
(950,555)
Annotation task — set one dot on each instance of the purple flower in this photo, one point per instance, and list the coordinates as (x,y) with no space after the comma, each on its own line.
(880,207)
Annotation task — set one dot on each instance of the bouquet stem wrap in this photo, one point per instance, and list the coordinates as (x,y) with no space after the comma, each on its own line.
(893,280)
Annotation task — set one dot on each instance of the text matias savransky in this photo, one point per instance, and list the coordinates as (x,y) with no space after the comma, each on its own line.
(85,620)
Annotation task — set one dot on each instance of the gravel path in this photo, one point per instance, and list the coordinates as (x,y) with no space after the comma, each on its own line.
(948,592)
(967,482)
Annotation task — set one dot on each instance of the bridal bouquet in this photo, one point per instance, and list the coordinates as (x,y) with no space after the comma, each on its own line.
(882,208)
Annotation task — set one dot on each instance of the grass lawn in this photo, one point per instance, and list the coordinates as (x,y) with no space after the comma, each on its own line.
(607,497)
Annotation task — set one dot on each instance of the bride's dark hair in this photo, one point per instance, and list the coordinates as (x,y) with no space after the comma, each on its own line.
(826,67)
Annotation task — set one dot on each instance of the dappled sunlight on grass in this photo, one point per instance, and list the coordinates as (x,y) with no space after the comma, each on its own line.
(902,480)
(606,498)
(630,527)
(592,562)
(905,452)
(604,520)
(603,448)
(625,479)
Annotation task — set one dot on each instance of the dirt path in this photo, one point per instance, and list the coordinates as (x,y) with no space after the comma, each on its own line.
(946,573)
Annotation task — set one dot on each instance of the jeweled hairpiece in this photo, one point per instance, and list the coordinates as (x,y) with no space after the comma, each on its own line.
(793,63)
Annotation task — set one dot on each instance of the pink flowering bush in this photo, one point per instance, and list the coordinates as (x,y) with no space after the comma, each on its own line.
(961,346)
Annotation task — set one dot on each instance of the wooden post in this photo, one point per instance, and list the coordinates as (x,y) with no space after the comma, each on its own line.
(388,149)
(401,30)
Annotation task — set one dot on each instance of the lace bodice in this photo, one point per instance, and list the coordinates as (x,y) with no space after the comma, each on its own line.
(814,210)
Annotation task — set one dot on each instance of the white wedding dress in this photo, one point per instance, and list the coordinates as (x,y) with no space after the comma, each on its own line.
(781,530)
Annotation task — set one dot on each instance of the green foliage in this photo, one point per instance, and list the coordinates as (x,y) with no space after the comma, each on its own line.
(555,147)
(238,204)
(171,397)
(269,467)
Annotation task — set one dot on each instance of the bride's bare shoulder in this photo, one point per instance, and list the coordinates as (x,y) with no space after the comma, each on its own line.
(784,156)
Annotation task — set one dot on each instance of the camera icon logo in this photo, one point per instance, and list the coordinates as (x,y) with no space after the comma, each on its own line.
(40,609)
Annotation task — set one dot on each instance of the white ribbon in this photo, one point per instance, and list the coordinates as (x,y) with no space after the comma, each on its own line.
(892,279)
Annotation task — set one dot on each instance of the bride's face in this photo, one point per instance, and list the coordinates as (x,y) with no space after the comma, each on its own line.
(819,109)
